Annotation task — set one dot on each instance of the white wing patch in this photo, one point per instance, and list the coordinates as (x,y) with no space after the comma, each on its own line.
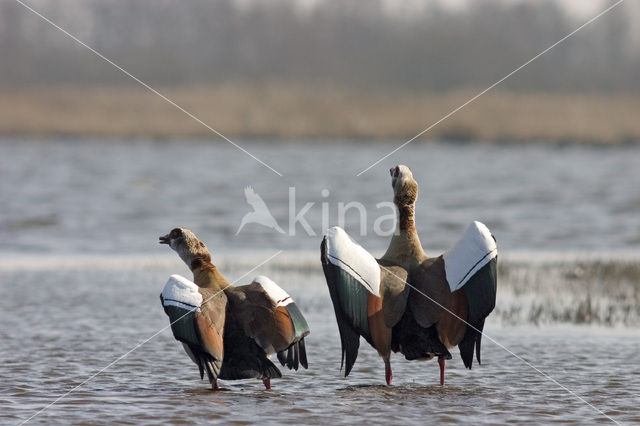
(275,292)
(474,250)
(353,259)
(181,292)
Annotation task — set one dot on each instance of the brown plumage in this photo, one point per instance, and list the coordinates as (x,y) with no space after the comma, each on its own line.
(417,312)
(239,326)
(209,322)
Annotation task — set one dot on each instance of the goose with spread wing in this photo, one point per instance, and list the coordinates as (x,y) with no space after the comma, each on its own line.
(406,301)
(228,331)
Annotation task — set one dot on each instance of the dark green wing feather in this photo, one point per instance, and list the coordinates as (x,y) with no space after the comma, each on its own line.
(296,353)
(299,323)
(349,299)
(182,323)
(198,328)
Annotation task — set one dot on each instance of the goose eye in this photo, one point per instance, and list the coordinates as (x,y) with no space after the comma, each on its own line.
(174,234)
(396,171)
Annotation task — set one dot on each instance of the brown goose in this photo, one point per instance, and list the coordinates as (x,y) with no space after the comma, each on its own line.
(228,331)
(405,301)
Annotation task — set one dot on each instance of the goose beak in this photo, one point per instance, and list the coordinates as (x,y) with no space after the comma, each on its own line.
(165,239)
(394,171)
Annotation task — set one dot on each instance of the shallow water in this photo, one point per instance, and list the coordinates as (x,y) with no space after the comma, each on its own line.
(64,324)
(81,271)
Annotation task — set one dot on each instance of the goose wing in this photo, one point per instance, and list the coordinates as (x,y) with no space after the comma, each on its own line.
(471,266)
(269,315)
(361,292)
(197,318)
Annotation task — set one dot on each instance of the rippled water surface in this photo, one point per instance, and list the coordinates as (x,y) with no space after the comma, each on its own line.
(117,196)
(61,326)
(81,271)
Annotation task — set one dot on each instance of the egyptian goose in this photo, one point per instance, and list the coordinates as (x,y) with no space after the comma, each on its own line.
(405,301)
(228,331)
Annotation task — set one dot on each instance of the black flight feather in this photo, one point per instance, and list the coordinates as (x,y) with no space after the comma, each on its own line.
(303,353)
(349,337)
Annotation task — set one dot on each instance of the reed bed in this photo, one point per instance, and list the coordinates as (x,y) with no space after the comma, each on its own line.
(294,113)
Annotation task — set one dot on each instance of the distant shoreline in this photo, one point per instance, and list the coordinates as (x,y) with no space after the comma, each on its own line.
(296,113)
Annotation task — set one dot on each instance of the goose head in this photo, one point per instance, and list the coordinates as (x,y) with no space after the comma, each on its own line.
(405,187)
(186,244)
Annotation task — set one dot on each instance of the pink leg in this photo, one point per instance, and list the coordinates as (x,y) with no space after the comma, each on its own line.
(267,383)
(441,363)
(388,374)
(214,385)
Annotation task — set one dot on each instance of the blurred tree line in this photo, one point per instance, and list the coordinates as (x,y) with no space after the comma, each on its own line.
(346,43)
